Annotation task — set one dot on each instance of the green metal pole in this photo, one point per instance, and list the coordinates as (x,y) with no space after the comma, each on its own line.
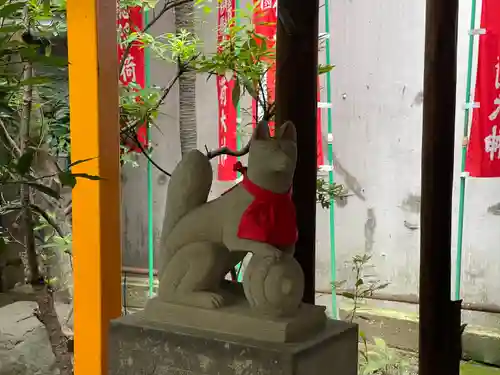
(151,252)
(333,264)
(468,101)
(238,127)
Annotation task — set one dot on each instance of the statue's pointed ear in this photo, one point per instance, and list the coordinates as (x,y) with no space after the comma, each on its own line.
(261,131)
(287,132)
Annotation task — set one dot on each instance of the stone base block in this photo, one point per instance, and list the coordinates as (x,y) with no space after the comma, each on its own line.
(139,346)
(240,320)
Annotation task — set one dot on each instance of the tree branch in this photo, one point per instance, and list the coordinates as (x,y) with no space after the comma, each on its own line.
(47,218)
(268,114)
(146,154)
(39,211)
(166,7)
(126,130)
(13,144)
(183,67)
(11,235)
(47,315)
(30,257)
(228,151)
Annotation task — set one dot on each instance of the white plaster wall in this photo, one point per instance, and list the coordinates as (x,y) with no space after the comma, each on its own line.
(378,49)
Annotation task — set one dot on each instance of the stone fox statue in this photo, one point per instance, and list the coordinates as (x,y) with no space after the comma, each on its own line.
(202,241)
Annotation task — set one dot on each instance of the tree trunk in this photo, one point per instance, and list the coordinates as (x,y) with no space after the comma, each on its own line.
(184,19)
(44,296)
(47,315)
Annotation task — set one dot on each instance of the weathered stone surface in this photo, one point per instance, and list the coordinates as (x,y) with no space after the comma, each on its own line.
(24,344)
(138,346)
(240,319)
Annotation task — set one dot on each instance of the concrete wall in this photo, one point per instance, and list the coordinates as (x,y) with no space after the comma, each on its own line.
(378,50)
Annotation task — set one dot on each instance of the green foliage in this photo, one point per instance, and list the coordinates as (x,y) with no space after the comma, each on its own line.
(56,123)
(322,69)
(145,4)
(364,284)
(379,359)
(50,238)
(13,51)
(326,192)
(181,48)
(28,155)
(374,358)
(243,55)
(138,107)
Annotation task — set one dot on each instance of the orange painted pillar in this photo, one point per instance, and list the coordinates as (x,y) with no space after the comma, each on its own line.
(93,77)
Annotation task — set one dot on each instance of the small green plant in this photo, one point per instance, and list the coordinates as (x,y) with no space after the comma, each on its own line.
(374,358)
(326,192)
(379,359)
(364,284)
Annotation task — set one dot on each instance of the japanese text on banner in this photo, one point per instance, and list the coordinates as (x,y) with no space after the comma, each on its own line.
(133,69)
(227,112)
(265,18)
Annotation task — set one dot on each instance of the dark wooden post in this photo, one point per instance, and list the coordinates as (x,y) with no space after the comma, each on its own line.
(296,100)
(439,324)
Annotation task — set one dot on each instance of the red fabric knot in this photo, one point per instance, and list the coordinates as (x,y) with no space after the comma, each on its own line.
(238,167)
(270,218)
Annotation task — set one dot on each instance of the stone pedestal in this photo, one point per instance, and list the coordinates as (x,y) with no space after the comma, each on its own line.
(238,319)
(139,346)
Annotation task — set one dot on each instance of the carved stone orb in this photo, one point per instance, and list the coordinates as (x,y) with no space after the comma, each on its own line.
(274,287)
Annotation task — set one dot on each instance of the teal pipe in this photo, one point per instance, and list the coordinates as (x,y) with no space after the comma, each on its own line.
(331,180)
(151,252)
(468,99)
(238,129)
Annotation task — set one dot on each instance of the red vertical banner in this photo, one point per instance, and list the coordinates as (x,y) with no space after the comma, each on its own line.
(265,18)
(319,135)
(133,70)
(227,111)
(483,154)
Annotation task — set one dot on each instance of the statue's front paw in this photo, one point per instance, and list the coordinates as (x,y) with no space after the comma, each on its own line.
(274,288)
(206,300)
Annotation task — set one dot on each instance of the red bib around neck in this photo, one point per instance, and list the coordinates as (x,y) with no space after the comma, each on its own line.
(270,218)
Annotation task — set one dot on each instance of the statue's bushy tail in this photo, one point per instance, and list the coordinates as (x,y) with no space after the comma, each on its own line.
(188,188)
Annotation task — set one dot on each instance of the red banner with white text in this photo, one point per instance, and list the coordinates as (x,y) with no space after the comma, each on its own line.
(319,135)
(483,154)
(133,70)
(265,18)
(227,111)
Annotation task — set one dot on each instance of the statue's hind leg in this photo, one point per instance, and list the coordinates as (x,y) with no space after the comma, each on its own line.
(193,276)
